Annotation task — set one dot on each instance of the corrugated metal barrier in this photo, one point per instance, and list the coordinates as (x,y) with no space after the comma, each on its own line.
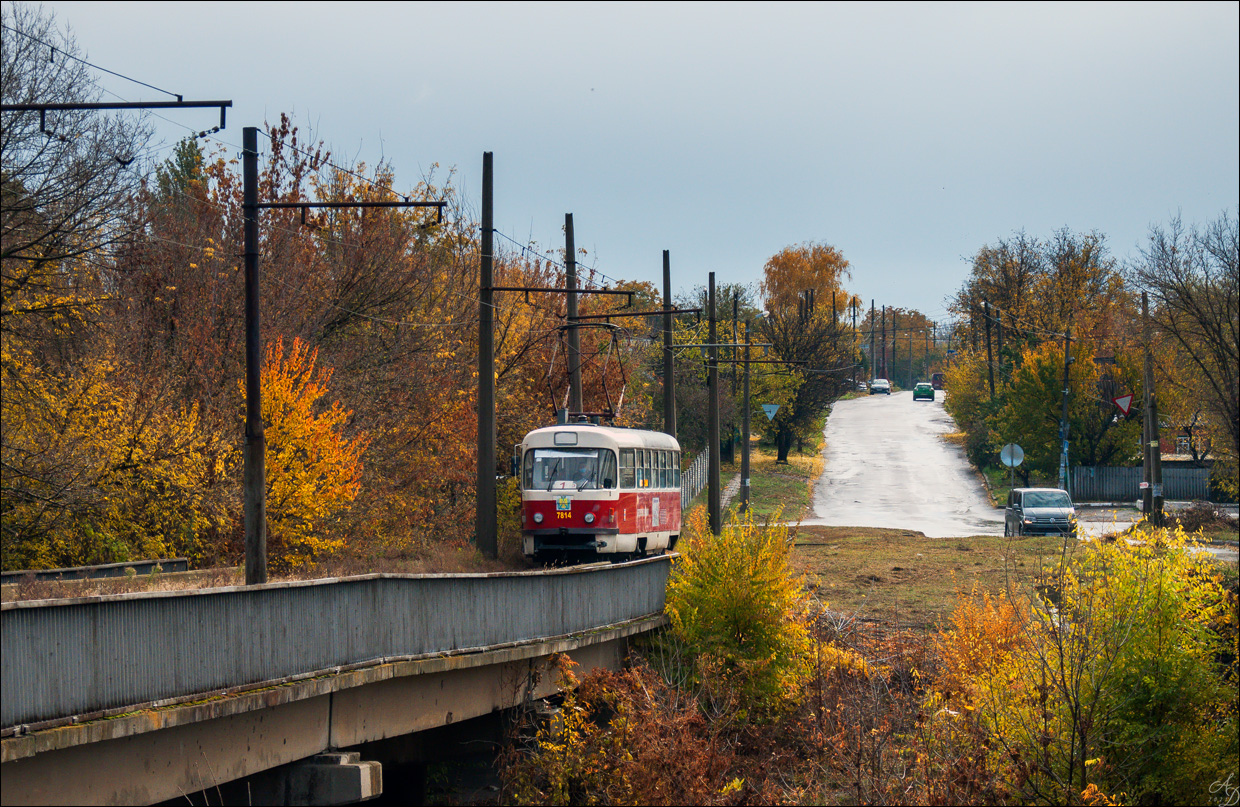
(694,479)
(72,657)
(1107,484)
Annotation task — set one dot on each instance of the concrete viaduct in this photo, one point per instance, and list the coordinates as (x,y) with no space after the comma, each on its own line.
(142,698)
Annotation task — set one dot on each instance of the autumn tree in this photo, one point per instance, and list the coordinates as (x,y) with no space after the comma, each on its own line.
(66,190)
(1033,404)
(1191,274)
(314,469)
(805,329)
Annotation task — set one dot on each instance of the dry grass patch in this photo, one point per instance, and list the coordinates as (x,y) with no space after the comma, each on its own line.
(901,577)
(782,488)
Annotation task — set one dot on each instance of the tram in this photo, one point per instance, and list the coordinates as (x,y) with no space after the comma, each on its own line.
(590,491)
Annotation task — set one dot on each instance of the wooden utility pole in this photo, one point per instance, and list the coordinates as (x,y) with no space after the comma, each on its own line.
(254,455)
(669,361)
(895,364)
(1063,417)
(925,370)
(714,494)
(873,355)
(990,360)
(745,429)
(575,405)
(999,329)
(486,534)
(854,341)
(911,379)
(884,343)
(1151,491)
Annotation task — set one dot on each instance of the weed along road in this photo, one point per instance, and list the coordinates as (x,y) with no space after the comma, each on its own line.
(887,465)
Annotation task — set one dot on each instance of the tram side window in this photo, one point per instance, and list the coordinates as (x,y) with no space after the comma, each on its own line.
(664,482)
(626,468)
(608,475)
(643,470)
(675,469)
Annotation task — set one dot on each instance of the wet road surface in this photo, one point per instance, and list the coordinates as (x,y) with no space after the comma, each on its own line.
(886,465)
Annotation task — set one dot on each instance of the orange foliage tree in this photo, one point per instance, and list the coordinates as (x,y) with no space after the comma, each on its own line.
(314,470)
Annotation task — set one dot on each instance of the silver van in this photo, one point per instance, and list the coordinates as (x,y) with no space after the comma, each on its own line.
(1039,511)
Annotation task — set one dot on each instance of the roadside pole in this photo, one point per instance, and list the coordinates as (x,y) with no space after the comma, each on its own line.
(745,429)
(873,355)
(990,361)
(1063,418)
(1151,490)
(669,363)
(714,500)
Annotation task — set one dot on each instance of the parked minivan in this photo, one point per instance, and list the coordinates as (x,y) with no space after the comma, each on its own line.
(1039,511)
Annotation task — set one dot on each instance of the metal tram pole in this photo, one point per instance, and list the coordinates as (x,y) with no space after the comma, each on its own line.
(714,505)
(669,362)
(575,405)
(745,429)
(254,453)
(486,535)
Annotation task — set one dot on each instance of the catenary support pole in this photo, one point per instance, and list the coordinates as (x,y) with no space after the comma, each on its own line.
(714,501)
(485,528)
(255,481)
(575,404)
(256,441)
(669,361)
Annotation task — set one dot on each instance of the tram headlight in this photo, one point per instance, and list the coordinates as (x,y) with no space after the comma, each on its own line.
(538,518)
(589,518)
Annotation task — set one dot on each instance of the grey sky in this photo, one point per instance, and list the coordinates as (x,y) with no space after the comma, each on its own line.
(905,135)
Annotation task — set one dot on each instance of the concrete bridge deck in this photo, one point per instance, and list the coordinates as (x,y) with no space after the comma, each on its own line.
(138,698)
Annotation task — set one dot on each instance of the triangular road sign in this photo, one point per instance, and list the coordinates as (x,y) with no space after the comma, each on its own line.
(770,410)
(1124,402)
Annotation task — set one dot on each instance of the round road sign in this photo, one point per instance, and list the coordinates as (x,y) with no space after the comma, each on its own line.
(1011,455)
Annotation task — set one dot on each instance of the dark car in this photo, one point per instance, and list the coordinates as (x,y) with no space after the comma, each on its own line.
(880,386)
(923,391)
(937,380)
(1039,511)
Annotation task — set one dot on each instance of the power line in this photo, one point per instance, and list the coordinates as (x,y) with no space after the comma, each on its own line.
(63,52)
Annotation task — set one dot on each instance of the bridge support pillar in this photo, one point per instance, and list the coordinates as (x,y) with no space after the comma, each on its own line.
(335,777)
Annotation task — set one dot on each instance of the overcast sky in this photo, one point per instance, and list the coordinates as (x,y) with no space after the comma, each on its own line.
(905,135)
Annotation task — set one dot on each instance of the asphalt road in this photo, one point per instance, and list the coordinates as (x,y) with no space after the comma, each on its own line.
(887,466)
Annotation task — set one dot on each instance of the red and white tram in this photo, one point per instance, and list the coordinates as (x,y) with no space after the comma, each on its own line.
(591,490)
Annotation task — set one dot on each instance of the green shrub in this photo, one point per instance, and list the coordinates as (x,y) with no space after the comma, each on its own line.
(734,601)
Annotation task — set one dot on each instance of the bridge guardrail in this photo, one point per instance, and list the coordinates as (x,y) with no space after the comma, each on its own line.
(72,657)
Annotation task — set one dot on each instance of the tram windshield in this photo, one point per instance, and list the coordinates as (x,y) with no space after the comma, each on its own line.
(569,468)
